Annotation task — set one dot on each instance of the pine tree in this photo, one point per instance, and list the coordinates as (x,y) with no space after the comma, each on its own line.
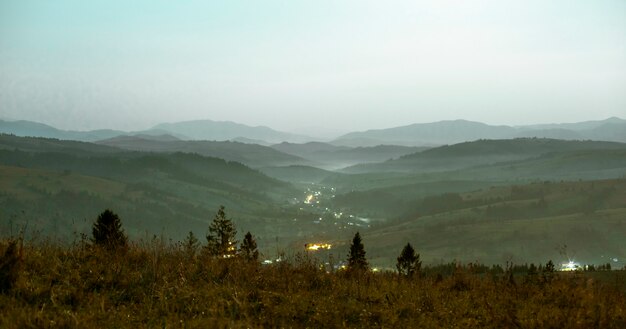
(549,268)
(356,257)
(248,248)
(107,231)
(191,245)
(221,237)
(531,274)
(548,271)
(408,261)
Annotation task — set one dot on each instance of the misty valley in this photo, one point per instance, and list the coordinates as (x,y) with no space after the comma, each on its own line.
(231,228)
(492,201)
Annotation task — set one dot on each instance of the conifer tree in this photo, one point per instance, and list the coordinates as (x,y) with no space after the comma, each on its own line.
(191,245)
(356,257)
(248,248)
(221,237)
(107,231)
(548,271)
(408,261)
(549,268)
(531,274)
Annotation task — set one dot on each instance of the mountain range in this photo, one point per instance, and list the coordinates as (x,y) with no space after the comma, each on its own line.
(188,130)
(227,130)
(457,131)
(419,134)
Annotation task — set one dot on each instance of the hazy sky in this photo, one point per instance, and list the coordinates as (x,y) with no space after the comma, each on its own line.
(340,65)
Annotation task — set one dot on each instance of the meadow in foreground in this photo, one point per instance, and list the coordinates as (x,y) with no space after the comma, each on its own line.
(176,285)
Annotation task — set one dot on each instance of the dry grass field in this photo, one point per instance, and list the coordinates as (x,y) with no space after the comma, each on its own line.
(167,285)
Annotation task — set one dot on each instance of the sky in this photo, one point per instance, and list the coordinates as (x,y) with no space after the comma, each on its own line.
(311,66)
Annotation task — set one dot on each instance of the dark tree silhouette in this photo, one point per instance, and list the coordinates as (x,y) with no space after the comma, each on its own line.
(191,244)
(248,248)
(531,274)
(107,231)
(549,268)
(356,257)
(408,262)
(221,237)
(548,271)
(10,263)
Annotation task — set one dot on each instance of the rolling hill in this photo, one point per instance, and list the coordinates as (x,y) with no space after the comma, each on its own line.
(389,194)
(298,174)
(583,221)
(333,157)
(481,152)
(389,188)
(56,185)
(252,155)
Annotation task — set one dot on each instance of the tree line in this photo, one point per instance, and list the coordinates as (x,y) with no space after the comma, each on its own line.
(108,233)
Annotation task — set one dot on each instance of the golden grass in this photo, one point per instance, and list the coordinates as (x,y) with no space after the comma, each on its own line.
(163,285)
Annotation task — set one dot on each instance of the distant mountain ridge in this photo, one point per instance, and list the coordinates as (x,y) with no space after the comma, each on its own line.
(442,132)
(457,131)
(418,134)
(24,128)
(187,130)
(576,126)
(34,129)
(227,130)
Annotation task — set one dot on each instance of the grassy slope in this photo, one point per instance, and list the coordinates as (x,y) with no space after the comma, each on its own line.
(298,174)
(482,152)
(59,203)
(392,201)
(570,165)
(164,285)
(60,186)
(527,223)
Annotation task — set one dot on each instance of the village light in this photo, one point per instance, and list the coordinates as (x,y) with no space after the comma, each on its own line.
(317,246)
(309,199)
(570,266)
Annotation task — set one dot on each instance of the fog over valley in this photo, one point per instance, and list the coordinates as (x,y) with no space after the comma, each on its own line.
(293,189)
